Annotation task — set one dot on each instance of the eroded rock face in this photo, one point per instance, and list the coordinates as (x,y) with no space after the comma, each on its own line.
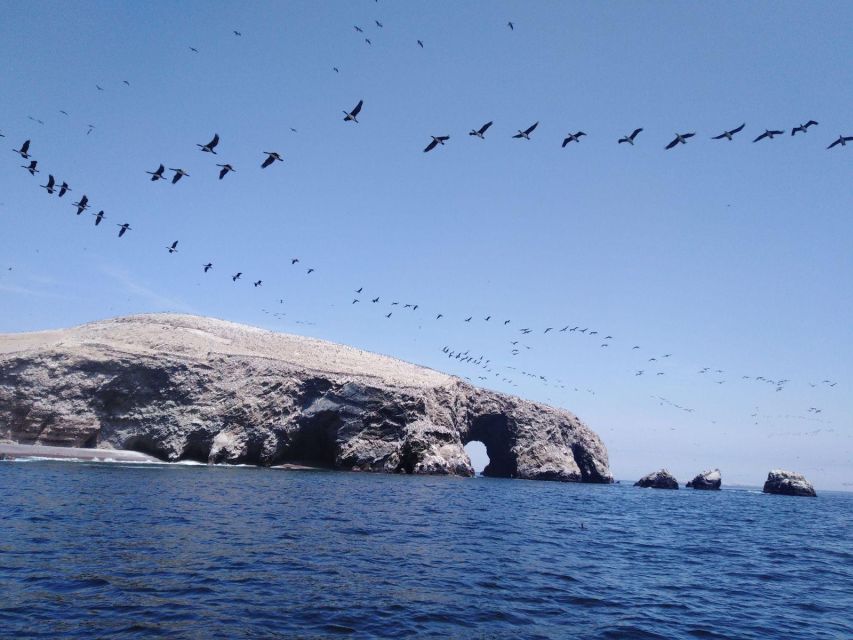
(788,483)
(183,387)
(710,479)
(662,479)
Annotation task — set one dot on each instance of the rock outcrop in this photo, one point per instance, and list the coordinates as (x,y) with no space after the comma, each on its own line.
(662,479)
(183,387)
(788,483)
(707,480)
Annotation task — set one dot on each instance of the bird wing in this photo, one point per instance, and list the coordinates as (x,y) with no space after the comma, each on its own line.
(810,123)
(777,133)
(485,127)
(763,135)
(175,244)
(688,135)
(213,142)
(443,138)
(25,147)
(50,181)
(160,169)
(565,142)
(739,129)
(431,146)
(518,135)
(636,131)
(530,129)
(357,108)
(837,142)
(672,144)
(719,137)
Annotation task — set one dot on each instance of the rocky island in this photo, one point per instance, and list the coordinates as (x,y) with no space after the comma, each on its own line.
(788,483)
(662,479)
(180,387)
(710,480)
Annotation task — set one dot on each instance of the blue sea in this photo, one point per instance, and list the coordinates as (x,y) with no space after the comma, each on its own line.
(97,550)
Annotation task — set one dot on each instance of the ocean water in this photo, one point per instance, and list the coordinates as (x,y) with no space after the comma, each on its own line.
(90,550)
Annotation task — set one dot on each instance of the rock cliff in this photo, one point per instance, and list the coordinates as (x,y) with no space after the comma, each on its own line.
(184,387)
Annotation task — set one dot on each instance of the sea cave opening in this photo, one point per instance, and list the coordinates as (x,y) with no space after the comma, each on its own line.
(478,455)
(316,442)
(493,431)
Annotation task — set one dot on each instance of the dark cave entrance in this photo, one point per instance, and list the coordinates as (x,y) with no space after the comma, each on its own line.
(493,431)
(316,441)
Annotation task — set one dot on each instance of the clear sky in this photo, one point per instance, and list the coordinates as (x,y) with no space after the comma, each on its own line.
(728,255)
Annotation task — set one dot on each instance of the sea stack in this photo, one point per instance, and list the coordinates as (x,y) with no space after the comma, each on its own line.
(180,387)
(788,483)
(708,480)
(662,479)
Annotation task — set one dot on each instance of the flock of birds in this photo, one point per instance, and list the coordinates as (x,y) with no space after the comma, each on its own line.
(487,365)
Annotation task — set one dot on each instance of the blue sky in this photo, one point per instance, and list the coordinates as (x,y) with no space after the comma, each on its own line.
(729,255)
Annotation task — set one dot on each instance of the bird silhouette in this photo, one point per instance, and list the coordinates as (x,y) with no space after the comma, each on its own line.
(63,189)
(389,314)
(210,146)
(511,26)
(630,139)
(768,133)
(31,167)
(193,49)
(680,138)
(179,173)
(173,248)
(572,137)
(375,300)
(526,133)
(436,140)
(157,175)
(258,283)
(359,290)
(123,228)
(310,270)
(353,115)
(358,29)
(50,184)
(98,217)
(225,169)
(842,140)
(479,132)
(272,156)
(294,261)
(82,205)
(803,127)
(420,44)
(237,33)
(378,24)
(236,276)
(729,134)
(207,267)
(24,151)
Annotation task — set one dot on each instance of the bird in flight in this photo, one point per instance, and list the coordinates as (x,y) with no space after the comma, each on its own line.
(479,132)
(207,267)
(126,82)
(63,189)
(179,173)
(680,138)
(336,70)
(378,24)
(436,140)
(209,147)
(258,283)
(193,49)
(367,40)
(50,183)
(272,156)
(358,29)
(123,228)
(236,276)
(572,137)
(803,127)
(842,140)
(375,300)
(294,260)
(389,314)
(173,248)
(24,151)
(353,115)
(82,205)
(729,134)
(420,44)
(510,25)
(310,270)
(630,139)
(157,175)
(225,169)
(98,217)
(99,87)
(237,33)
(526,133)
(768,133)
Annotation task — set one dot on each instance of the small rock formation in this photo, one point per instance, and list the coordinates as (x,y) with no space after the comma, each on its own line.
(710,479)
(788,483)
(662,479)
(181,387)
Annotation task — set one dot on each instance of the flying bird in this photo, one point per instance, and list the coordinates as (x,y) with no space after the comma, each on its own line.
(420,44)
(63,189)
(630,139)
(389,314)
(99,87)
(353,115)
(680,138)
(572,137)
(31,167)
(310,270)
(294,260)
(207,267)
(157,175)
(436,140)
(367,40)
(358,29)
(511,26)
(179,173)
(803,127)
(123,228)
(237,33)
(193,49)
(236,276)
(82,205)
(728,134)
(24,151)
(98,217)
(842,140)
(479,132)
(126,82)
(50,183)
(173,248)
(378,24)
(526,133)
(258,283)
(209,147)
(768,133)
(375,300)
(272,156)
(225,169)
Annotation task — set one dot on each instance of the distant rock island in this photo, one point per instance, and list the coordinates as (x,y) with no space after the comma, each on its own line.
(662,479)
(710,480)
(788,483)
(180,387)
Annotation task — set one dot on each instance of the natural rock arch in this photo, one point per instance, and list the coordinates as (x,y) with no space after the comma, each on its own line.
(493,430)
